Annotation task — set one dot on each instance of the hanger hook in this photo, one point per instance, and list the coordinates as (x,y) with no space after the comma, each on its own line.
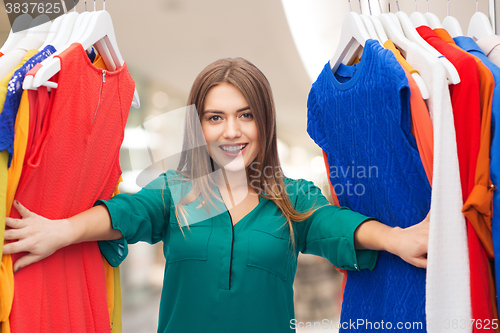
(477,6)
(448,9)
(415,5)
(94,6)
(380,7)
(369,7)
(103,4)
(350,7)
(427,6)
(64,7)
(397,4)
(74,6)
(360,9)
(85,5)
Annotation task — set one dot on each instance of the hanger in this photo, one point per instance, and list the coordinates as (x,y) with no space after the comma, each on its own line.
(54,29)
(479,25)
(396,35)
(368,23)
(412,34)
(418,19)
(379,28)
(100,32)
(28,42)
(39,29)
(451,24)
(64,33)
(352,38)
(20,25)
(434,22)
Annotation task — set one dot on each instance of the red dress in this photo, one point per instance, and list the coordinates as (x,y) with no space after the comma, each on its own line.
(74,161)
(465,99)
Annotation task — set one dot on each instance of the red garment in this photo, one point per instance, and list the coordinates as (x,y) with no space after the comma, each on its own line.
(73,163)
(465,99)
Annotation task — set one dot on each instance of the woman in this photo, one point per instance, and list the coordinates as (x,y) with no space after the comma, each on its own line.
(232,224)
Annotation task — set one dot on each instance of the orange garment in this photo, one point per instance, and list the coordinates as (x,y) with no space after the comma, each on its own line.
(1,54)
(478,206)
(421,125)
(113,284)
(402,61)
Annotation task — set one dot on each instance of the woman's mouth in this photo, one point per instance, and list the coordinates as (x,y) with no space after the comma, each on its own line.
(233,150)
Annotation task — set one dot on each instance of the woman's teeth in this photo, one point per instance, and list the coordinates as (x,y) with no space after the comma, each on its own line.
(233,149)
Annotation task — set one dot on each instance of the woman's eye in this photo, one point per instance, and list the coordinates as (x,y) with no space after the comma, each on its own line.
(247,115)
(214,118)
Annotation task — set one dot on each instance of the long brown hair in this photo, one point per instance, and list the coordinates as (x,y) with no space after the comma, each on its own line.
(196,164)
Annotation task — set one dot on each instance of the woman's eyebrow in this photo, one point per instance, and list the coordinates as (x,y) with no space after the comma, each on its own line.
(222,112)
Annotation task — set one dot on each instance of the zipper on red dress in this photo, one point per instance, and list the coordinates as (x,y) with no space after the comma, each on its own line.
(100,92)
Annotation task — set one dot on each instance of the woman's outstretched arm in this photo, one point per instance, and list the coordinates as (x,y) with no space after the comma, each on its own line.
(41,237)
(409,243)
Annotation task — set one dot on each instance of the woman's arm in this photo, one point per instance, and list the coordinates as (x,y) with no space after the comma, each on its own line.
(41,237)
(409,243)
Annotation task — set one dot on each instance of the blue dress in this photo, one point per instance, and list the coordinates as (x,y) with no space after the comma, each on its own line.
(360,116)
(13,99)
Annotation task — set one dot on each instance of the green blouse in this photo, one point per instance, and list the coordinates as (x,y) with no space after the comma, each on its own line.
(224,278)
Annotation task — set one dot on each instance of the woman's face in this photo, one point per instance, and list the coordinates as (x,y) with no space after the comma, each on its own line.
(229,128)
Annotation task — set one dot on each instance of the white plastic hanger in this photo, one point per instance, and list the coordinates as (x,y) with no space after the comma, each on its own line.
(28,42)
(21,25)
(479,25)
(54,29)
(370,28)
(352,38)
(418,19)
(432,19)
(99,32)
(412,34)
(396,35)
(65,30)
(39,29)
(379,28)
(451,24)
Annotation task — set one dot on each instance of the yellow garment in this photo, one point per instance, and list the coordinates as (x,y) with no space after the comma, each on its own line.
(402,61)
(6,274)
(113,287)
(7,280)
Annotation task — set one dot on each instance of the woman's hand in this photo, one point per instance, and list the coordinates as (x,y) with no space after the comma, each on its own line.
(36,235)
(411,243)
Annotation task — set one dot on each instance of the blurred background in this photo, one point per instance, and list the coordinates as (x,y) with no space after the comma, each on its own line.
(166,43)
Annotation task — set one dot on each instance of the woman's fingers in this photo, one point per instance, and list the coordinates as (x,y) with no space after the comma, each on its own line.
(26,260)
(15,223)
(21,209)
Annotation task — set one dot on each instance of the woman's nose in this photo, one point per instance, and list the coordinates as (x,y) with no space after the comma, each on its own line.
(232,129)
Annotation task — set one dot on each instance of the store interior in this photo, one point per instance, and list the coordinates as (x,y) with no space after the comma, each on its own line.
(166,43)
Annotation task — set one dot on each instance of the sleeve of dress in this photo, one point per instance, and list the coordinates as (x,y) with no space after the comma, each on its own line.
(329,231)
(139,217)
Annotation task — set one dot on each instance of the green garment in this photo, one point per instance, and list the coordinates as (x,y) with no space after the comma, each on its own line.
(221,278)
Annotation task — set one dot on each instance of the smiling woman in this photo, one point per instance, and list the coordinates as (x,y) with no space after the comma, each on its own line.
(230,245)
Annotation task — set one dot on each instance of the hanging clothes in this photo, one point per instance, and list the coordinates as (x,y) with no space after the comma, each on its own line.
(99,101)
(447,290)
(361,117)
(470,46)
(467,110)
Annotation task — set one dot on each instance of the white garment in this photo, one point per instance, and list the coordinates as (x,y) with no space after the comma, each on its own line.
(447,290)
(489,45)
